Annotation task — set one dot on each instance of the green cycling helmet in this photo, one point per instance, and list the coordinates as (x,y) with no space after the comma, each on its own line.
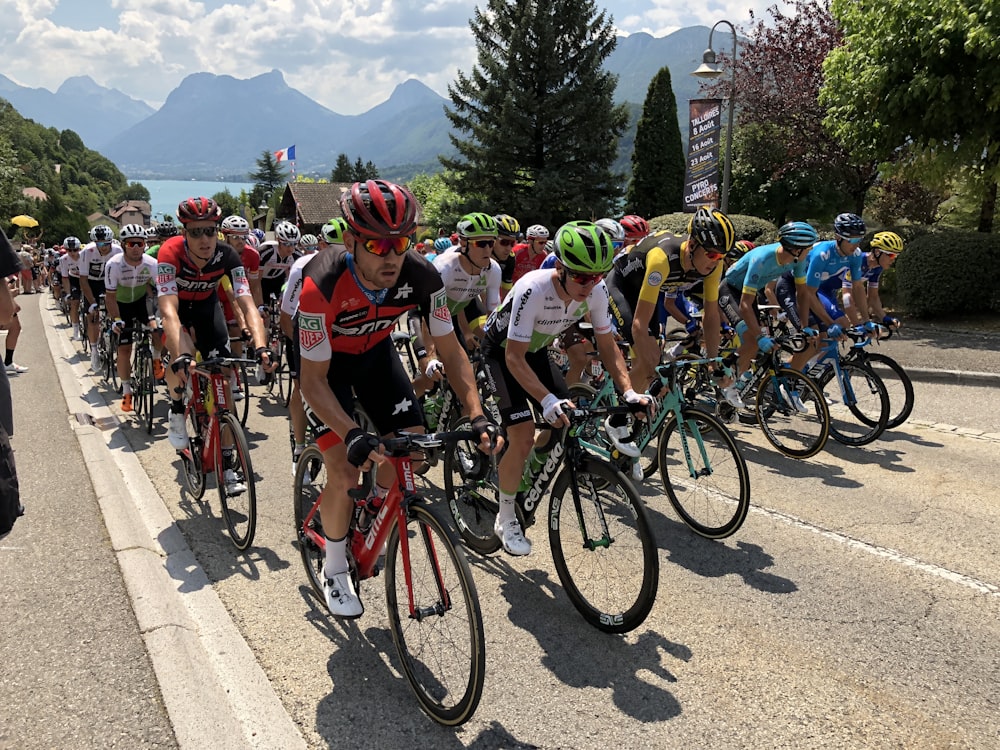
(477,225)
(584,247)
(333,231)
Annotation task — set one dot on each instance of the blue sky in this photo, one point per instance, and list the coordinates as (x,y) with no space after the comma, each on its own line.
(346,54)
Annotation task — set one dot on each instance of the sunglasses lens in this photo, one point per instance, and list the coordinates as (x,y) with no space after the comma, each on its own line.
(484,243)
(583,279)
(135,243)
(506,242)
(383,246)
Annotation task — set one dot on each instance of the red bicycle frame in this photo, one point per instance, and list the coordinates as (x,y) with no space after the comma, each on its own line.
(207,415)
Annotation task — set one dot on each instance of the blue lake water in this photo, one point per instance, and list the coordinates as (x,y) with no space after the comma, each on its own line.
(164,195)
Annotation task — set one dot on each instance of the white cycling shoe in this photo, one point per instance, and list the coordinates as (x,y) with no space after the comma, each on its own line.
(340,597)
(177,432)
(512,538)
(621,438)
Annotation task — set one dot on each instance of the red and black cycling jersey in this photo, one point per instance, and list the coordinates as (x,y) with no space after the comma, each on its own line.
(338,314)
(176,273)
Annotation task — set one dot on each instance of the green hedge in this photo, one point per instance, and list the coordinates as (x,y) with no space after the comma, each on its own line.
(750,228)
(949,272)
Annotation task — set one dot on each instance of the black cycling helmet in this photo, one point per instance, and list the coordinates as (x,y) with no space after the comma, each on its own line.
(849,225)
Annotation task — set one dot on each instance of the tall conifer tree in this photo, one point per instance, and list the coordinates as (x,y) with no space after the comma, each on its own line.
(538,128)
(657,185)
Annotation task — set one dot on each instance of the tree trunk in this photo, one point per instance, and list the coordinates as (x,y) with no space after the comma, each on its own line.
(988,208)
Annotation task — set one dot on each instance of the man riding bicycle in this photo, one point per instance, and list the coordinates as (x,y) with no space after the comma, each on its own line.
(349,303)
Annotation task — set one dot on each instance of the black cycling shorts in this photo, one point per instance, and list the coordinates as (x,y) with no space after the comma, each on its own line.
(134,315)
(512,399)
(623,311)
(207,326)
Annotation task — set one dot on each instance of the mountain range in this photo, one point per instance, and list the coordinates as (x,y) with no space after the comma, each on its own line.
(195,135)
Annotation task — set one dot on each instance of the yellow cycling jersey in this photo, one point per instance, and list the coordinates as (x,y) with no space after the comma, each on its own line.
(656,264)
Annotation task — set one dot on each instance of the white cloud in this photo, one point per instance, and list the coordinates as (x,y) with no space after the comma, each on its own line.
(346,54)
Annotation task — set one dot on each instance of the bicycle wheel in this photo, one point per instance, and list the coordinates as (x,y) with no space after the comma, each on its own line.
(111,366)
(704,474)
(239,506)
(194,469)
(471,489)
(798,434)
(242,408)
(605,555)
(306,493)
(144,386)
(440,639)
(897,384)
(585,396)
(858,404)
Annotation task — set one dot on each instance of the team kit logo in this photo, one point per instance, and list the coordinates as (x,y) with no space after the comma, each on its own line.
(311,330)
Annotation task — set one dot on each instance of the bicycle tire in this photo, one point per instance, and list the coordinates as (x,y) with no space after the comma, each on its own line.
(471,492)
(238,510)
(441,644)
(194,469)
(715,502)
(613,596)
(144,386)
(111,367)
(858,404)
(794,434)
(284,377)
(897,383)
(305,494)
(242,408)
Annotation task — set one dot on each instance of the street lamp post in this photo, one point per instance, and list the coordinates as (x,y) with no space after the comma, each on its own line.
(708,69)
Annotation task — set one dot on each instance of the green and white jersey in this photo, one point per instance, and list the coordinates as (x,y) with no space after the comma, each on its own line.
(129,283)
(462,287)
(532,312)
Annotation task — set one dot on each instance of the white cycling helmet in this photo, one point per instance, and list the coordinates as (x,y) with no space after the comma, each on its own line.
(536,232)
(101,233)
(131,232)
(287,233)
(612,228)
(235,225)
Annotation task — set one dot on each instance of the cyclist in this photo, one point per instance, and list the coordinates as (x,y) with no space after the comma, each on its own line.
(128,277)
(94,255)
(811,300)
(69,272)
(615,231)
(748,276)
(236,233)
(308,244)
(332,233)
(503,251)
(884,248)
(542,305)
(529,255)
(635,228)
(188,272)
(276,258)
(669,263)
(349,304)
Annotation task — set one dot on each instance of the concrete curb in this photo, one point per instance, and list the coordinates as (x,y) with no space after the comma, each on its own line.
(215,692)
(955,377)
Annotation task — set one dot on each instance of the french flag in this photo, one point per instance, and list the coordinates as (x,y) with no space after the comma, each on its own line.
(285,154)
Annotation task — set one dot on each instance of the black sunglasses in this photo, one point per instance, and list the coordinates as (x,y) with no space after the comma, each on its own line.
(202,231)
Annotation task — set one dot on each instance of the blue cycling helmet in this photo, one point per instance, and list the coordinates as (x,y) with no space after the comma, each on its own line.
(849,225)
(797,236)
(259,234)
(442,244)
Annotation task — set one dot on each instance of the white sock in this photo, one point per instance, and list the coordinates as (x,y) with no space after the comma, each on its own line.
(336,557)
(126,387)
(506,512)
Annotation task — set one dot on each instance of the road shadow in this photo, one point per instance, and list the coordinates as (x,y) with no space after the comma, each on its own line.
(582,656)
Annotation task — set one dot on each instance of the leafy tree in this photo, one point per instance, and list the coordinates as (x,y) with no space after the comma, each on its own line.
(537,130)
(342,170)
(269,177)
(227,202)
(794,159)
(134,191)
(441,205)
(920,74)
(657,185)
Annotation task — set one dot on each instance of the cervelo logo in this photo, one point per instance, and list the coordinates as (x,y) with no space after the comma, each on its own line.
(542,479)
(521,305)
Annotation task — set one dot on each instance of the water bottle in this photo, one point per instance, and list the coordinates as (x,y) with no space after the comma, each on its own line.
(432,410)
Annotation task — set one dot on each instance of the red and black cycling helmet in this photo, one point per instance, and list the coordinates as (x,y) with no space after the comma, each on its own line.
(377,208)
(635,227)
(198,209)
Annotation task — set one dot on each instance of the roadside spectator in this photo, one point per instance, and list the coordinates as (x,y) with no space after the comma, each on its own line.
(27,264)
(10,498)
(12,325)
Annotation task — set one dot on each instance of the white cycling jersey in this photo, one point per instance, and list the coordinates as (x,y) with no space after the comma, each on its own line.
(272,265)
(290,297)
(463,287)
(92,261)
(70,267)
(129,283)
(533,313)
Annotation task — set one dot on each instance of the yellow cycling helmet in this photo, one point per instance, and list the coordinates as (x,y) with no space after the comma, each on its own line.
(887,242)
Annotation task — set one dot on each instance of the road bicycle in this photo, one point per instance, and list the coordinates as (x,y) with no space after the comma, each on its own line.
(856,397)
(218,444)
(701,466)
(143,378)
(599,535)
(895,379)
(279,381)
(431,597)
(107,352)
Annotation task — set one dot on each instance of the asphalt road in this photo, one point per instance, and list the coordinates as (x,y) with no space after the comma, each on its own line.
(859,606)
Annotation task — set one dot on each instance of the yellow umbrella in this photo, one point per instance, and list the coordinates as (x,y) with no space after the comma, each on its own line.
(24,220)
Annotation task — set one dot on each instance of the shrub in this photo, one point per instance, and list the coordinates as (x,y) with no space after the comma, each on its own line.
(750,228)
(950,272)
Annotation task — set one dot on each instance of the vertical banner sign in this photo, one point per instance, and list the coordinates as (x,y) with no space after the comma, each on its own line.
(701,177)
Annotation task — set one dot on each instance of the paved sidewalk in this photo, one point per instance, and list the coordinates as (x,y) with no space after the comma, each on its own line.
(944,355)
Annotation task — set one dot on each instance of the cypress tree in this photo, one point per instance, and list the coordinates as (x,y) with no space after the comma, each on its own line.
(657,185)
(537,128)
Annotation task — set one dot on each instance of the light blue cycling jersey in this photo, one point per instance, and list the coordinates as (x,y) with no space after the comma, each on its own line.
(828,268)
(760,266)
